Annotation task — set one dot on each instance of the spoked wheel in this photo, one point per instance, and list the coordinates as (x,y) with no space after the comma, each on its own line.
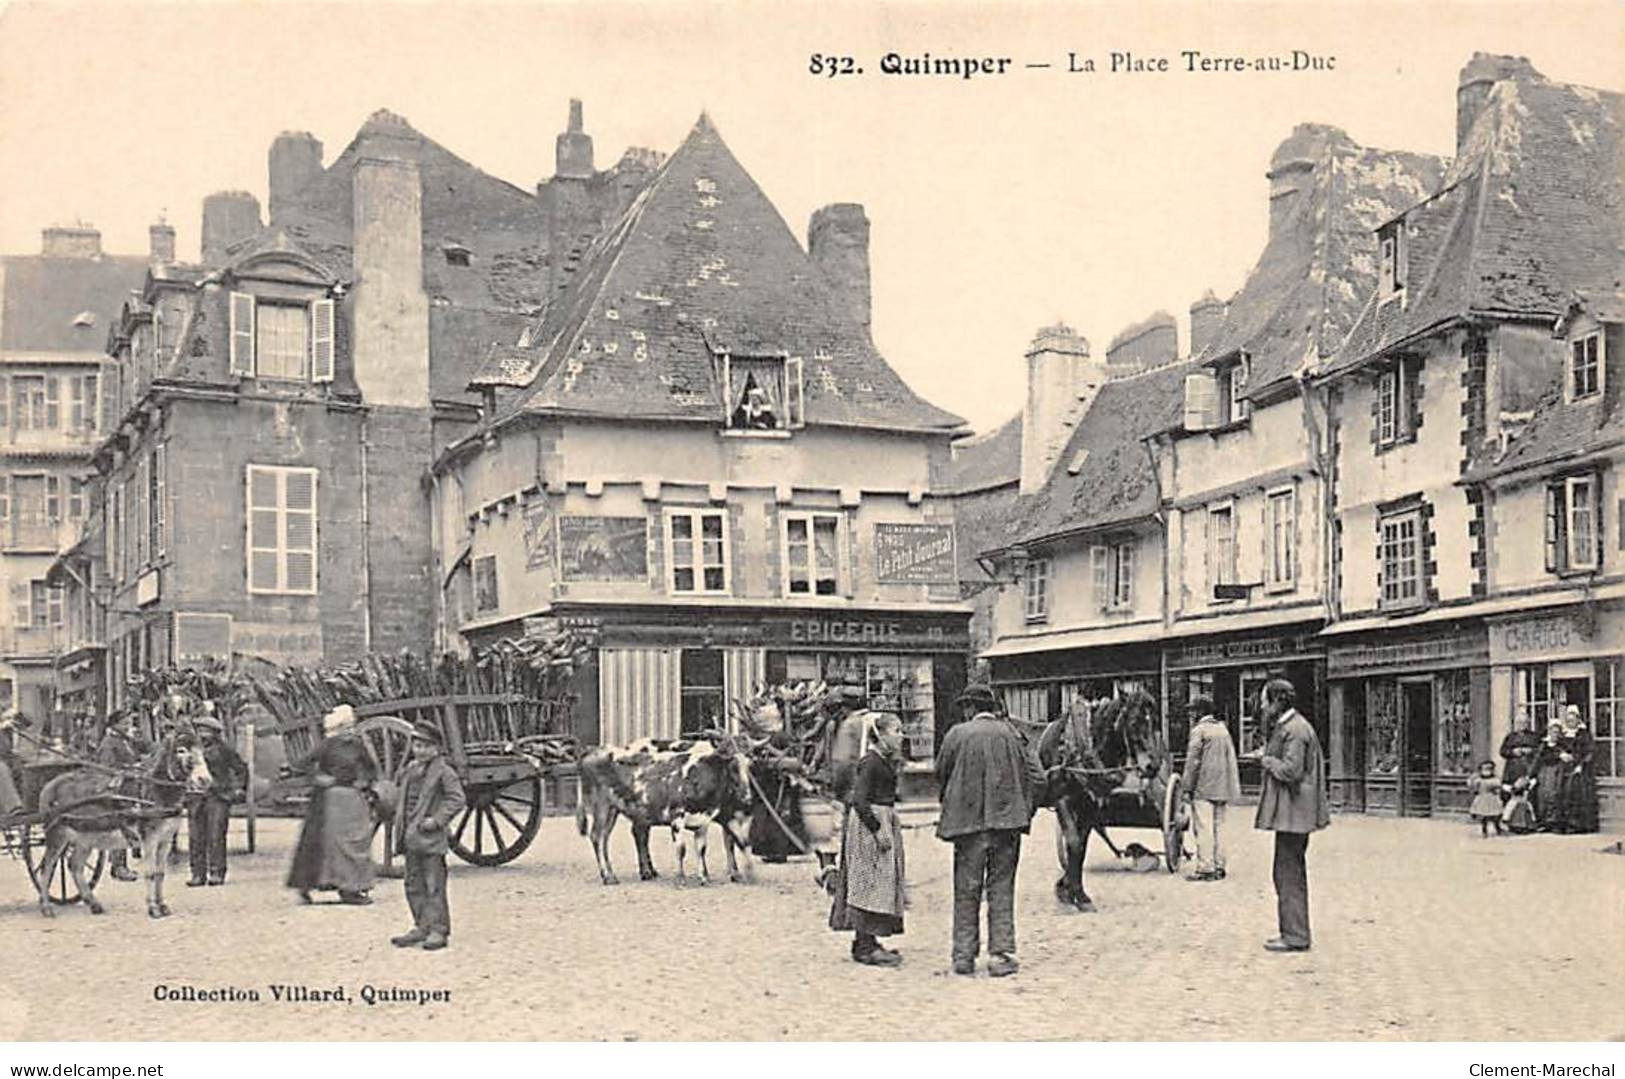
(388,740)
(61,889)
(499,822)
(1173,833)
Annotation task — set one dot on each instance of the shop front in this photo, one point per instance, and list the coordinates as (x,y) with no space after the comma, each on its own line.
(1409,713)
(1041,686)
(1232,670)
(1543,661)
(662,671)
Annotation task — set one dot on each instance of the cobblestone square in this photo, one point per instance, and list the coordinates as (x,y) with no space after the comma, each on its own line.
(1417,923)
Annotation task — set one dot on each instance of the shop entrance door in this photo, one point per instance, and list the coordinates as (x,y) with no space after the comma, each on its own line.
(1568,689)
(1416,772)
(702,691)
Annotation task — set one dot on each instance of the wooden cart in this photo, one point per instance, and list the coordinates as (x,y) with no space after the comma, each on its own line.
(24,836)
(504,747)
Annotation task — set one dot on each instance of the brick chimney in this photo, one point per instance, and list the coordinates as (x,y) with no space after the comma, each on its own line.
(1478,76)
(294,160)
(1061,381)
(390,309)
(572,151)
(71,242)
(1207,317)
(569,202)
(161,241)
(838,241)
(1292,175)
(228,217)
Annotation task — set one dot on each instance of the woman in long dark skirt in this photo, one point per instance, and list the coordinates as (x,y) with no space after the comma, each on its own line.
(1550,772)
(1579,809)
(869,902)
(335,844)
(776,835)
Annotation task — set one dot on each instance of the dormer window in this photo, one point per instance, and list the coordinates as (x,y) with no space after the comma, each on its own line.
(85,319)
(456,254)
(1232,392)
(1585,368)
(764,393)
(284,341)
(1391,271)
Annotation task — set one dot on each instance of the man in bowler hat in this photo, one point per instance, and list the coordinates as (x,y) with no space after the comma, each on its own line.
(431,796)
(989,786)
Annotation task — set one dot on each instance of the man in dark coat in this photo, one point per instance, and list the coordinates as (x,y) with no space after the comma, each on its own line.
(210,813)
(989,786)
(430,799)
(122,748)
(1292,805)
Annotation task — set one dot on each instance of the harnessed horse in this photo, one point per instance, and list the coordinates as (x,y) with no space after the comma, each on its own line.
(1090,755)
(96,807)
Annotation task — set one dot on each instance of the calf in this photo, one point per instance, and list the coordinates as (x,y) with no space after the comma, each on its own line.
(683,785)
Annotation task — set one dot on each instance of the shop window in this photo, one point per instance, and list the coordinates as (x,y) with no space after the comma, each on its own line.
(1029,703)
(1608,681)
(697,551)
(1035,589)
(903,685)
(1573,524)
(1454,720)
(1382,728)
(1249,720)
(1532,696)
(702,690)
(1282,567)
(812,550)
(1402,559)
(1585,371)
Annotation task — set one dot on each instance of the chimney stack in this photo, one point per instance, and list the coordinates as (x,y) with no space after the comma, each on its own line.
(1292,174)
(1478,76)
(1061,381)
(390,309)
(71,242)
(572,152)
(295,159)
(161,241)
(838,241)
(1207,316)
(229,217)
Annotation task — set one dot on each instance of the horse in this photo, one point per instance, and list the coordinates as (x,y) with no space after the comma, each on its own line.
(95,808)
(1091,754)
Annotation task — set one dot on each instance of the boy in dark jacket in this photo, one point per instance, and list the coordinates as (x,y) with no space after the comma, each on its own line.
(431,797)
(210,812)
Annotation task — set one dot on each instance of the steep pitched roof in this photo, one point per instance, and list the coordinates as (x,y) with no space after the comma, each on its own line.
(990,459)
(1531,211)
(1113,482)
(702,263)
(1319,264)
(43,296)
(502,228)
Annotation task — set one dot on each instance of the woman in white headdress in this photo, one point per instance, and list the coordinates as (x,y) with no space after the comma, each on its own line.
(869,900)
(335,843)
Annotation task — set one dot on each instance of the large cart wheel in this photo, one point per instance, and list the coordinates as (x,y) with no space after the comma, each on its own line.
(1173,832)
(499,822)
(388,740)
(61,889)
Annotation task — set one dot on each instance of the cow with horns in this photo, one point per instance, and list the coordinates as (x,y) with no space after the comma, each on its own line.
(684,785)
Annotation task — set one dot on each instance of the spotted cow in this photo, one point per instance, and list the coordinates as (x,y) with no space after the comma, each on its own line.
(682,785)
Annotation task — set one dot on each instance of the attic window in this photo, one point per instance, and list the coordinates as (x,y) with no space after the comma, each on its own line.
(85,318)
(456,254)
(1076,465)
(1391,247)
(764,393)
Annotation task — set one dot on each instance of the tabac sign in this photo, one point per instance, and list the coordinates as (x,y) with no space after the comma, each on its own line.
(914,554)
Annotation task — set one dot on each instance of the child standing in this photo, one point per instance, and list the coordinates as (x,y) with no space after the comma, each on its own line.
(1486,804)
(431,796)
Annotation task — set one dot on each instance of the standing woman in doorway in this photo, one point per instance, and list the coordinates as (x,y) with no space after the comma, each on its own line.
(1579,800)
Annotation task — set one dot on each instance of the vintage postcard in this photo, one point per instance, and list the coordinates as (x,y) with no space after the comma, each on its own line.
(882,522)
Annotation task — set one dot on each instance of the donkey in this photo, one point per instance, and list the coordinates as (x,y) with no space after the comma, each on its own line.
(89,809)
(1092,754)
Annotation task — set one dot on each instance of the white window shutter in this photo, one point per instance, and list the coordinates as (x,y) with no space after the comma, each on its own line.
(160,502)
(321,341)
(1201,400)
(795,392)
(242,334)
(1100,571)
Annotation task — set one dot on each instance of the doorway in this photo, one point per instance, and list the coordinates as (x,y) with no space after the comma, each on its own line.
(702,691)
(1571,688)
(1416,770)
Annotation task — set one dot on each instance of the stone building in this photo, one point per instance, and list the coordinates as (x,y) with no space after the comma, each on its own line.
(55,309)
(1458,423)
(696,455)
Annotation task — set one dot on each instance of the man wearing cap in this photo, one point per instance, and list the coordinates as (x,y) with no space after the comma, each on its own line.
(210,812)
(989,785)
(431,796)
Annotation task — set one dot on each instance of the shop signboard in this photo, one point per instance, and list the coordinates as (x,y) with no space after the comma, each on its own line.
(279,642)
(1374,656)
(914,554)
(1241,650)
(793,632)
(1533,638)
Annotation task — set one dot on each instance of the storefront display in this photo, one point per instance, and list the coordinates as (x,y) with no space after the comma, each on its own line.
(900,684)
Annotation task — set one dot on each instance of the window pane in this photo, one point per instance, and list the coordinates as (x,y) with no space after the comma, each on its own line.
(301,531)
(263,529)
(683,579)
(713,579)
(299,490)
(301,572)
(262,488)
(262,569)
(281,341)
(824,550)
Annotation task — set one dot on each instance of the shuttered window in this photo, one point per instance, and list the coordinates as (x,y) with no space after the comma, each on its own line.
(158,512)
(281,530)
(321,341)
(795,392)
(281,341)
(242,333)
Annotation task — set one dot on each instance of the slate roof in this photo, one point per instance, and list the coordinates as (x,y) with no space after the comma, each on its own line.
(460,339)
(1115,484)
(41,296)
(991,459)
(1306,290)
(702,262)
(1531,211)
